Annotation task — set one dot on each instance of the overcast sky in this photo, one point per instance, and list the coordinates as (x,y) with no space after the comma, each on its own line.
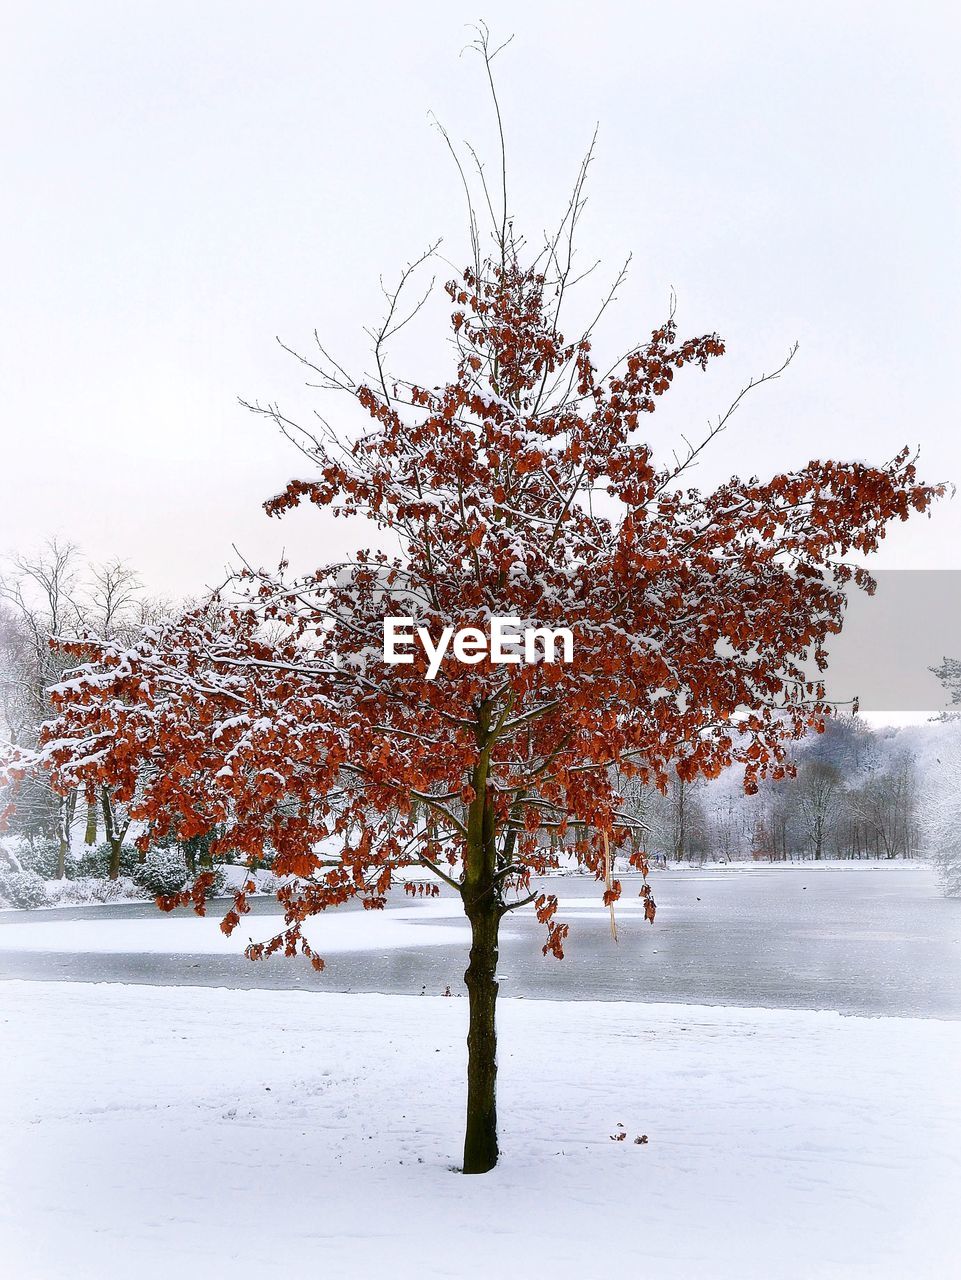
(181,182)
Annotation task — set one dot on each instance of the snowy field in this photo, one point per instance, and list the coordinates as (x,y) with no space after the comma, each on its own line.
(153,1132)
(209,1131)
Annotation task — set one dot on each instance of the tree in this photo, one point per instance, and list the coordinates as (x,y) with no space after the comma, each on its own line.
(41,597)
(520,487)
(941,796)
(941,807)
(885,805)
(818,798)
(49,596)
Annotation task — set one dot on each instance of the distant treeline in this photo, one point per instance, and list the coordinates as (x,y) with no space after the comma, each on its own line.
(856,793)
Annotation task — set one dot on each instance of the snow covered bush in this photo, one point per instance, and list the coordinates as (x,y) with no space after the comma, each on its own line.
(163,872)
(40,858)
(10,852)
(68,893)
(114,890)
(24,889)
(78,893)
(96,862)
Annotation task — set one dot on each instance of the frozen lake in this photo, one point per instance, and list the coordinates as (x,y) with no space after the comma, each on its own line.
(860,939)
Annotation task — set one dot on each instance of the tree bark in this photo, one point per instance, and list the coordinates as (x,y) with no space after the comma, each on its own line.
(64,820)
(482,905)
(90,834)
(113,833)
(62,846)
(480,1141)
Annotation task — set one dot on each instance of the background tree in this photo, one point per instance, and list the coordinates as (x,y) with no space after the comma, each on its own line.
(941,820)
(50,595)
(818,799)
(519,486)
(940,795)
(41,597)
(884,808)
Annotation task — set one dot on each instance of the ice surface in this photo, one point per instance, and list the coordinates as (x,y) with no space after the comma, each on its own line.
(858,938)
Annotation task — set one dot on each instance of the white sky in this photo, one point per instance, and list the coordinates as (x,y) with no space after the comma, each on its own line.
(183,181)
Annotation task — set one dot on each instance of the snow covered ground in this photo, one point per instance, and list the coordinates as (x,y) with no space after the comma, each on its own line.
(156,1132)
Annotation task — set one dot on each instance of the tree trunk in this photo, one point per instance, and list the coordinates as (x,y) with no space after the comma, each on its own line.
(112,832)
(62,846)
(90,834)
(480,1141)
(64,820)
(680,841)
(481,898)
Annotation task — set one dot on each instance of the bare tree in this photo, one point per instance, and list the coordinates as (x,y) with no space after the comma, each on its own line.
(818,793)
(46,595)
(41,597)
(886,806)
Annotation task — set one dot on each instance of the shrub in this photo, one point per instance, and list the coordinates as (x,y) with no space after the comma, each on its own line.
(24,889)
(114,890)
(41,859)
(68,893)
(76,893)
(95,863)
(163,872)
